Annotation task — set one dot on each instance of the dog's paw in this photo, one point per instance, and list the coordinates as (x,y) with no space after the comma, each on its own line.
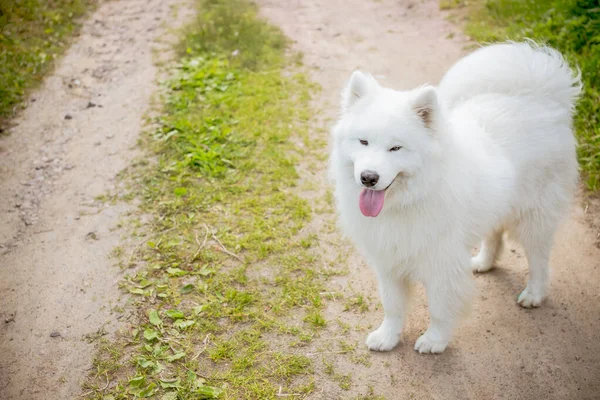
(478,265)
(426,345)
(529,299)
(383,339)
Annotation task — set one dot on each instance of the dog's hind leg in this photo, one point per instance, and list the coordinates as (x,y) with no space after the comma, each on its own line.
(395,293)
(536,236)
(491,247)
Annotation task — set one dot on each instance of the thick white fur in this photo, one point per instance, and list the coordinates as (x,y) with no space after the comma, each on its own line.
(491,150)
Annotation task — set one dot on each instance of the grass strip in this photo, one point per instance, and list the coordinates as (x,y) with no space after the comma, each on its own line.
(225,288)
(33,33)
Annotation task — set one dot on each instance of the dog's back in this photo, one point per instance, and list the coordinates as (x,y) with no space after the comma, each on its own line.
(521,96)
(512,69)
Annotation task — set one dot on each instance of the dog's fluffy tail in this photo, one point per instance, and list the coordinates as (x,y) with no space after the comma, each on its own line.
(513,69)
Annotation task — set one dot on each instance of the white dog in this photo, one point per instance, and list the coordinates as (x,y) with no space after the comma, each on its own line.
(422,175)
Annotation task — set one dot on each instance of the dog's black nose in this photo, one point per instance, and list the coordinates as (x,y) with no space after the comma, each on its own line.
(369,178)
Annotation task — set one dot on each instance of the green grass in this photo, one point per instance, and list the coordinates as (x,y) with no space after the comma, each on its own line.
(451,4)
(32,34)
(571,26)
(225,287)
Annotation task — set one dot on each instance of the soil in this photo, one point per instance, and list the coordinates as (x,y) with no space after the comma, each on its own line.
(59,286)
(501,351)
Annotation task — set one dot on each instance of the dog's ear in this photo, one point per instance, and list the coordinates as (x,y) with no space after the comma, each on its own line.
(425,104)
(359,86)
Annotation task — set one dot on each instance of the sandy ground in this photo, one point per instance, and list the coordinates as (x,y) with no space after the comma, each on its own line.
(501,351)
(57,282)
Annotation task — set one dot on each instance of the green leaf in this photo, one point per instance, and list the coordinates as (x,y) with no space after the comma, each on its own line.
(154,318)
(148,391)
(176,356)
(199,309)
(144,283)
(173,243)
(137,381)
(175,314)
(180,191)
(170,383)
(173,332)
(169,396)
(159,350)
(208,392)
(206,271)
(176,272)
(145,363)
(150,334)
(187,289)
(136,291)
(183,323)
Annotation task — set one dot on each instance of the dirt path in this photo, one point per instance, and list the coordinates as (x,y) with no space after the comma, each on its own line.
(502,351)
(58,285)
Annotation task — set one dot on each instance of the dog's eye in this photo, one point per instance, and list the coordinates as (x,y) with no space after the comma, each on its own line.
(395,148)
(364,142)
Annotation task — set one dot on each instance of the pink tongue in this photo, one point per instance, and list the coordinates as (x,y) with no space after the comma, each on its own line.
(371,202)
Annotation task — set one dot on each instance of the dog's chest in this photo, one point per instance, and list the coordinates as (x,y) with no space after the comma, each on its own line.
(398,236)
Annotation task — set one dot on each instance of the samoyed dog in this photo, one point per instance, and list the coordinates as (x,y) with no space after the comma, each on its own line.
(421,176)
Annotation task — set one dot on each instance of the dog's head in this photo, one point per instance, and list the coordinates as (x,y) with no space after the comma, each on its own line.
(387,136)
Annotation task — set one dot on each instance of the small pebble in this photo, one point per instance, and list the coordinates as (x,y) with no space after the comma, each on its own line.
(68,116)
(55,334)
(92,236)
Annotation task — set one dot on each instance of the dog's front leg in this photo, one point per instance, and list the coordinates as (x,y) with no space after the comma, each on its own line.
(449,297)
(394,292)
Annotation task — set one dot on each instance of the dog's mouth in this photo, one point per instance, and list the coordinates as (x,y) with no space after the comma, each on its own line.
(371,201)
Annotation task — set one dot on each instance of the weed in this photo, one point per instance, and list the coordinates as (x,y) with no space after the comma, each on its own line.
(370,395)
(357,303)
(316,319)
(32,34)
(362,358)
(328,366)
(451,4)
(344,381)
